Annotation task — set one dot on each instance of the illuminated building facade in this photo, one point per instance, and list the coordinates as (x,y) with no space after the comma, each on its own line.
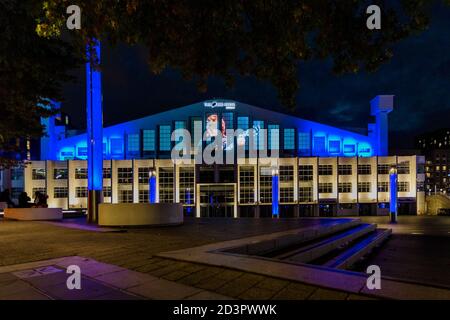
(320,169)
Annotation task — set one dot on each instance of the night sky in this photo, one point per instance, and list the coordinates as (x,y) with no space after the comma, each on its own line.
(418,75)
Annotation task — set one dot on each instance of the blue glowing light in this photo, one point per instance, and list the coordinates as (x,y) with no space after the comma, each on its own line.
(188,201)
(152,189)
(393,194)
(94,124)
(275,196)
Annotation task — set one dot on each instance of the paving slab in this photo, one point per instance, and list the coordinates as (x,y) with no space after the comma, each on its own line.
(90,267)
(126,279)
(17,286)
(164,290)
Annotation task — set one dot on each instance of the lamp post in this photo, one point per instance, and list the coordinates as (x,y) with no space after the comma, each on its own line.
(188,201)
(393,178)
(152,187)
(94,117)
(275,194)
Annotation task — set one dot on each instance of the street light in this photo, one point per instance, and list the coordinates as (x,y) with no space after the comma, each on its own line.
(393,194)
(275,193)
(152,186)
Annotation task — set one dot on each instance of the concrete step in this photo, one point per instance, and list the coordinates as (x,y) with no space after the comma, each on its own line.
(359,249)
(317,249)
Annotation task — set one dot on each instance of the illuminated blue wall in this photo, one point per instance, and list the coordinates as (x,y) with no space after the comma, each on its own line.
(317,139)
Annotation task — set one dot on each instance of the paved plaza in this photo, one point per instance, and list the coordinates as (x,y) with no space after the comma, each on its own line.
(135,251)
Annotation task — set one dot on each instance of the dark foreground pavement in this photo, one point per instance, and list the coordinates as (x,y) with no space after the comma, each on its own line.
(22,242)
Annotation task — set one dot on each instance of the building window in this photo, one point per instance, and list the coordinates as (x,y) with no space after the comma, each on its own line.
(40,190)
(364,186)
(349,149)
(125,175)
(345,169)
(81,192)
(325,187)
(116,146)
(345,187)
(384,168)
(179,137)
(165,180)
(286,194)
(257,126)
(187,185)
(242,123)
(305,194)
(403,167)
(60,192)
(305,172)
(16,174)
(289,139)
(227,118)
(247,184)
(164,138)
(325,170)
(286,173)
(304,143)
(144,175)
(383,186)
(143,196)
(148,140)
(38,174)
(334,146)
(273,136)
(125,196)
(107,191)
(319,145)
(60,174)
(81,173)
(364,169)
(265,185)
(106,173)
(403,186)
(133,143)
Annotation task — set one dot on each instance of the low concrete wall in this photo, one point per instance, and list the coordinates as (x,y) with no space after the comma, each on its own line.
(140,214)
(31,214)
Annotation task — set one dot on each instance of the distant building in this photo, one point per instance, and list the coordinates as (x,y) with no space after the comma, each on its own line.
(436,148)
(439,139)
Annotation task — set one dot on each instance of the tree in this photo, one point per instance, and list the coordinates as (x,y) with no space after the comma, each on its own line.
(202,38)
(32,71)
(264,38)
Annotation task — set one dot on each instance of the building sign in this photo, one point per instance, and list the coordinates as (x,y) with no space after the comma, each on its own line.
(220,104)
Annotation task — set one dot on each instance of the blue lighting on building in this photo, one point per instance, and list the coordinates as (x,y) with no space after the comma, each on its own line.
(149,137)
(93,148)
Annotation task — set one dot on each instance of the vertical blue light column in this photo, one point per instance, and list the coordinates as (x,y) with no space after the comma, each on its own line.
(393,194)
(94,118)
(275,194)
(152,188)
(188,201)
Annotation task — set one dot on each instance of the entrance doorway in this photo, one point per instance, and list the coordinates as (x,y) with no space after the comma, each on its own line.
(217,200)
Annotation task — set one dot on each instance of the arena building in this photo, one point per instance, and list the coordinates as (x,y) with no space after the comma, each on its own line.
(322,170)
